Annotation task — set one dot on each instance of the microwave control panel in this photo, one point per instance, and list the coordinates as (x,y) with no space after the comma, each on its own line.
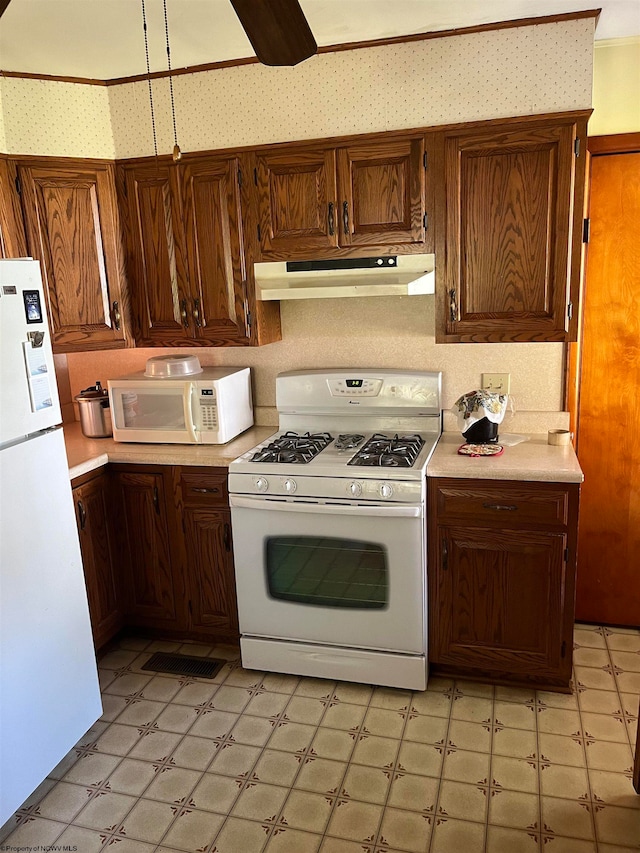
(208,409)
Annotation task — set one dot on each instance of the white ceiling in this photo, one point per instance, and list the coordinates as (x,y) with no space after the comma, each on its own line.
(104,38)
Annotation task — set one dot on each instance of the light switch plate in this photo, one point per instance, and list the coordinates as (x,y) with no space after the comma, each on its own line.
(499,383)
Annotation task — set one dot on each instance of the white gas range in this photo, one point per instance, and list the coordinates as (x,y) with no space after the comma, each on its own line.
(329,528)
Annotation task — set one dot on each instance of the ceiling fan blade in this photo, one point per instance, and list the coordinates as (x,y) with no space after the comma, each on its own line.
(277,29)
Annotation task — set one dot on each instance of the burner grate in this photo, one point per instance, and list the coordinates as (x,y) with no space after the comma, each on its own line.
(293,448)
(399,451)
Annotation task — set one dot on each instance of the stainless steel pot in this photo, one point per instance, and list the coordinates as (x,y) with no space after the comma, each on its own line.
(95,414)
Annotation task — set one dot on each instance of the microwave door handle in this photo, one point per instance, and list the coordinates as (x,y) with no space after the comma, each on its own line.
(190,401)
(395,510)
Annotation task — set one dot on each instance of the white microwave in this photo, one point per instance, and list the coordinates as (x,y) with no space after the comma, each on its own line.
(210,407)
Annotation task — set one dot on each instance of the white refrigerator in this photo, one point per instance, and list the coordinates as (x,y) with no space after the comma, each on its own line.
(49,693)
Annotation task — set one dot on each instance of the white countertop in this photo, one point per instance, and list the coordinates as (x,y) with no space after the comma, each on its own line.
(87,454)
(533,459)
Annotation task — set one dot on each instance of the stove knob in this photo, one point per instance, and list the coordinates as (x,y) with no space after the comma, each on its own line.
(262,484)
(385,490)
(290,486)
(355,489)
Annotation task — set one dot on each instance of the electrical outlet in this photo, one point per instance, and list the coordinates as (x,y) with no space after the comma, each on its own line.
(499,383)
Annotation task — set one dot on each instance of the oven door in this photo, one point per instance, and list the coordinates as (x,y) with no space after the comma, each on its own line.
(345,575)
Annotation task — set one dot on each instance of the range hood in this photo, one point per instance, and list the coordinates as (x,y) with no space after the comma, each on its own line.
(382,275)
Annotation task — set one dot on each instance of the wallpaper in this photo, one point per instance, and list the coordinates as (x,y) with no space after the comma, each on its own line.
(519,71)
(56,119)
(537,69)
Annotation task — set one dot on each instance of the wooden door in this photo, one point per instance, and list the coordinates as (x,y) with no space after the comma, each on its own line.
(144,546)
(296,202)
(157,274)
(500,602)
(608,582)
(73,230)
(13,242)
(218,293)
(92,504)
(212,592)
(381,195)
(511,241)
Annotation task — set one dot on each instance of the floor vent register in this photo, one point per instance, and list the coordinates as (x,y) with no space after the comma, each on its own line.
(184,665)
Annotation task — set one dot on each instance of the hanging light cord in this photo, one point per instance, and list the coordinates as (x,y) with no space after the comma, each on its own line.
(176,148)
(146,50)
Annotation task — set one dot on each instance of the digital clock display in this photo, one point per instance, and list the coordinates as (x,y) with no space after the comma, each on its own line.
(354,383)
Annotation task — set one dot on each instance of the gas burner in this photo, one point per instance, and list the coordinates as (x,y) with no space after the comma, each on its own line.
(291,447)
(399,451)
(348,441)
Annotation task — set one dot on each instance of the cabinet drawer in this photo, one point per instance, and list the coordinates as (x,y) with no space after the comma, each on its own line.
(204,486)
(508,506)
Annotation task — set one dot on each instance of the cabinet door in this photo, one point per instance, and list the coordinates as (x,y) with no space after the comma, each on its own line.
(500,602)
(73,230)
(144,541)
(510,246)
(296,202)
(157,275)
(92,502)
(13,243)
(382,195)
(212,592)
(215,252)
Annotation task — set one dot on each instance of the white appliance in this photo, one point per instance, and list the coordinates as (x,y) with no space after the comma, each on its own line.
(49,693)
(329,528)
(209,405)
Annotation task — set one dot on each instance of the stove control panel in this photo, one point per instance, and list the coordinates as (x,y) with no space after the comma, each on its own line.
(346,489)
(355,387)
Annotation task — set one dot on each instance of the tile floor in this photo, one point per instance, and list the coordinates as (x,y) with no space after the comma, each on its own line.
(261,762)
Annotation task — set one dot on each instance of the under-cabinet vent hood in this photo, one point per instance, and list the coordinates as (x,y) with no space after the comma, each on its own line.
(382,275)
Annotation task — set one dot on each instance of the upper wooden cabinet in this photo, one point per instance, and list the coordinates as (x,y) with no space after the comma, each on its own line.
(73,230)
(13,243)
(509,233)
(187,271)
(371,195)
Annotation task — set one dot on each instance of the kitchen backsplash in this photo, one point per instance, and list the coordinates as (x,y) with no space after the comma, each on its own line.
(395,331)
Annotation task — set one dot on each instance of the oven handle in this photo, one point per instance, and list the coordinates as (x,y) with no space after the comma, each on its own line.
(395,510)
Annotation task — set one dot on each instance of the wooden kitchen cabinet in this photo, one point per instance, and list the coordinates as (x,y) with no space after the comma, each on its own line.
(510,208)
(152,593)
(73,229)
(502,563)
(92,501)
(186,256)
(13,242)
(324,200)
(206,555)
(174,544)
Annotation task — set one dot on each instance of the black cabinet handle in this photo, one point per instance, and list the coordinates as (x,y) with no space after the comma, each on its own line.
(82,513)
(213,491)
(445,556)
(332,224)
(227,538)
(501,507)
(345,216)
(156,500)
(116,315)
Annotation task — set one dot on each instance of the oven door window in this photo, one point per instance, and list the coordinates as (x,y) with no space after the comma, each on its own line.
(329,572)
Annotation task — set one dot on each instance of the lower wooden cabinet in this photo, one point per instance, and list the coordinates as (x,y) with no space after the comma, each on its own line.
(92,500)
(502,562)
(174,544)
